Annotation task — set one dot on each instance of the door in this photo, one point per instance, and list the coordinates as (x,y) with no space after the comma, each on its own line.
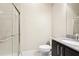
(8,30)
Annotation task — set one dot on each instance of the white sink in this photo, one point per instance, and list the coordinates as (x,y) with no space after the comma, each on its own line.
(72,42)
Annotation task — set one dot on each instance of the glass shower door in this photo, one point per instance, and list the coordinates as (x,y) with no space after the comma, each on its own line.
(8,30)
(15,31)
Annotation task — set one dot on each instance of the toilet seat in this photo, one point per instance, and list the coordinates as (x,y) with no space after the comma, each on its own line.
(45,48)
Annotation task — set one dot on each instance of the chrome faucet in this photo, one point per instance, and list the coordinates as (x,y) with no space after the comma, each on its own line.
(77,35)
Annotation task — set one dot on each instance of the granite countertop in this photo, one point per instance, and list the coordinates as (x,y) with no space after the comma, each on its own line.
(73,46)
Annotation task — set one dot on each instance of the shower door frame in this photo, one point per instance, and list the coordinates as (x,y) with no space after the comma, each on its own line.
(19,49)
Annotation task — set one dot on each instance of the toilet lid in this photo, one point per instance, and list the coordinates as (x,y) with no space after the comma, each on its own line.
(45,47)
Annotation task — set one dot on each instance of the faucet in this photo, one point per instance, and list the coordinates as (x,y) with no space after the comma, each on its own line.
(77,35)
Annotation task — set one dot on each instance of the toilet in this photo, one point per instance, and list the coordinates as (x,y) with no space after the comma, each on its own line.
(44,50)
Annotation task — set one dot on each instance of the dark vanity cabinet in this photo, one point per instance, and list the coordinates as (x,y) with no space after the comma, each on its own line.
(59,49)
(70,52)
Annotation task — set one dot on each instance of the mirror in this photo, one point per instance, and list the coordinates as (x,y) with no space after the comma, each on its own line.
(72,17)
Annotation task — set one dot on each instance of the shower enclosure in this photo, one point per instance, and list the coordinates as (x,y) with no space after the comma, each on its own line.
(9,30)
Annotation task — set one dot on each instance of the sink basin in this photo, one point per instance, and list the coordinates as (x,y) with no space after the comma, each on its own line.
(72,42)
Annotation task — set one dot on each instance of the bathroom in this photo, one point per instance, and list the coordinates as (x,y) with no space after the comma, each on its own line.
(28,29)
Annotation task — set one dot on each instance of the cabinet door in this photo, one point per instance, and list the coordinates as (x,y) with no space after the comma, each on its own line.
(62,50)
(55,48)
(70,52)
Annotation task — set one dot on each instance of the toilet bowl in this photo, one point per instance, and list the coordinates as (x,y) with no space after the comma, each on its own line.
(44,50)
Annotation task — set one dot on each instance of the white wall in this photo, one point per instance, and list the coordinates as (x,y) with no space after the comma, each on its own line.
(35,25)
(58,19)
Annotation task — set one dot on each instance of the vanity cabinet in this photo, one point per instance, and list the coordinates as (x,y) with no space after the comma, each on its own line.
(59,49)
(70,52)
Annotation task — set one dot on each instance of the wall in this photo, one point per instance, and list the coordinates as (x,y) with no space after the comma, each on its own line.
(38,21)
(35,25)
(58,19)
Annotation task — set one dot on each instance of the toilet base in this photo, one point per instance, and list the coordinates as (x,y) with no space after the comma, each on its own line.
(45,53)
